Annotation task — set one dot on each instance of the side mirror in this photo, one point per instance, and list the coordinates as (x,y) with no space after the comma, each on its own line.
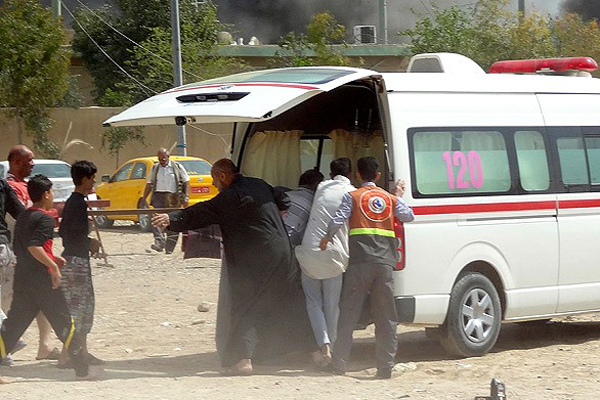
(105,178)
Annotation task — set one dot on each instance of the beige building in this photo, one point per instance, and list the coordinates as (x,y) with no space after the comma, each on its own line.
(208,141)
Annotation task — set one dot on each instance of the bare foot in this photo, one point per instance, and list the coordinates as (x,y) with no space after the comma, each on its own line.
(326,353)
(5,381)
(94,373)
(48,354)
(243,367)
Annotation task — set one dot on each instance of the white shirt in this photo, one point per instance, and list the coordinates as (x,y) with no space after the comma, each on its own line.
(333,261)
(165,178)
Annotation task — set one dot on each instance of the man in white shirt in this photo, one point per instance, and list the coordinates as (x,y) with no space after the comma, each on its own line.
(322,271)
(169,183)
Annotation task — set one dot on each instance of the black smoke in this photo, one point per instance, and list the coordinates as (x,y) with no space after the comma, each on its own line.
(588,9)
(271,19)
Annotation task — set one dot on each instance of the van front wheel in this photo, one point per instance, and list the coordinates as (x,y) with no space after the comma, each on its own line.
(474,317)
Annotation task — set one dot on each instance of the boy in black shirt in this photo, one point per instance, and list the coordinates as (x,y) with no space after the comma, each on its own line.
(77,273)
(38,278)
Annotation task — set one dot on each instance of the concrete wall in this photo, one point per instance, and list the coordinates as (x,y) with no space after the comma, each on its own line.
(210,143)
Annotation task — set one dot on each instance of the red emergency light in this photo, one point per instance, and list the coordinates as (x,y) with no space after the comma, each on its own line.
(544,65)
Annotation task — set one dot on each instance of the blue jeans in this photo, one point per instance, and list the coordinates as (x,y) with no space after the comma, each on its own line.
(322,303)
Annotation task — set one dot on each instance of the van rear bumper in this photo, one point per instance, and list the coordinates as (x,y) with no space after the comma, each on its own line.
(422,309)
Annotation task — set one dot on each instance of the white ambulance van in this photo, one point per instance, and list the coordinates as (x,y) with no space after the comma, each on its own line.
(503,173)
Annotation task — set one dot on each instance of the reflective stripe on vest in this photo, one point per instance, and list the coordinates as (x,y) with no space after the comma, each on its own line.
(372,231)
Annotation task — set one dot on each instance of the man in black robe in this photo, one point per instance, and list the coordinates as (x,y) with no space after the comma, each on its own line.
(266,314)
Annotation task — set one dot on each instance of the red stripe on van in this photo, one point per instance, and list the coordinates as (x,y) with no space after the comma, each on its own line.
(578,203)
(284,85)
(491,207)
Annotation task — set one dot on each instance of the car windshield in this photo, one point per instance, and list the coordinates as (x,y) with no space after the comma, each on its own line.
(52,170)
(196,167)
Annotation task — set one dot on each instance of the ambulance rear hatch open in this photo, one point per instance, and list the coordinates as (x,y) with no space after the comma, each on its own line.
(284,121)
(248,97)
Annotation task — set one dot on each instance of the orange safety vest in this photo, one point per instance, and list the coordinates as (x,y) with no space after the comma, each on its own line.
(371,226)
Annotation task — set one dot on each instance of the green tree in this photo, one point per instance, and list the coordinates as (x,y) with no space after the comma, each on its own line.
(33,68)
(148,23)
(486,33)
(114,139)
(199,59)
(575,37)
(316,46)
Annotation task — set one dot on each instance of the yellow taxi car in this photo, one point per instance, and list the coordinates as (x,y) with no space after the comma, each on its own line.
(126,186)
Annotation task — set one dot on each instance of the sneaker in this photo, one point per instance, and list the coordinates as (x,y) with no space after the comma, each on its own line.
(156,247)
(7,361)
(383,373)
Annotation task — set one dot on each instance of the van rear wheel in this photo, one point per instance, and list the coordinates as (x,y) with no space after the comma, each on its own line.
(474,317)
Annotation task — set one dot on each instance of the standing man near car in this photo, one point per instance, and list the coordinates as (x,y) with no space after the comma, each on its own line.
(20,165)
(170,186)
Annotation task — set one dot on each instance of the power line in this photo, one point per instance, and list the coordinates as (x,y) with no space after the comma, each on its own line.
(131,40)
(107,55)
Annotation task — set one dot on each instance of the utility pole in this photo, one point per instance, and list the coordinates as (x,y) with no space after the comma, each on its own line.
(56,8)
(383,29)
(521,10)
(177,75)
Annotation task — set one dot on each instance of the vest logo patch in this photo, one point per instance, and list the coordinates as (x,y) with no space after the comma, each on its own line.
(376,205)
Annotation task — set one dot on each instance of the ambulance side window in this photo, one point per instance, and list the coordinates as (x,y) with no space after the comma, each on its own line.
(532,160)
(592,145)
(460,162)
(572,158)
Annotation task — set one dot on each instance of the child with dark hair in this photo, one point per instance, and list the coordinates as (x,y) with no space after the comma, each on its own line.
(38,279)
(77,272)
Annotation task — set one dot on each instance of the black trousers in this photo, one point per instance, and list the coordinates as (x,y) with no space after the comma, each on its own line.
(165,200)
(27,302)
(359,280)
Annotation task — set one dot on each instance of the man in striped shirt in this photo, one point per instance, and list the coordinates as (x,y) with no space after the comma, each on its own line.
(296,217)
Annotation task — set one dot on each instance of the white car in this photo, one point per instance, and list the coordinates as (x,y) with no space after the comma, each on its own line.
(59,172)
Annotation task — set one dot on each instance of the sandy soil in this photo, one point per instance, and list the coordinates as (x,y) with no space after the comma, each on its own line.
(158,346)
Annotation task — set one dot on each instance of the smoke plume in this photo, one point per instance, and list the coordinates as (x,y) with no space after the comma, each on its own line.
(588,9)
(271,19)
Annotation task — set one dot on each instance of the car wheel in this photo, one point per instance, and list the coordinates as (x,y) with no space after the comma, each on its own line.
(474,317)
(103,221)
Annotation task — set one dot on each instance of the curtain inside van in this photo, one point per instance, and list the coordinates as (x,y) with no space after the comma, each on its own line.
(355,146)
(274,156)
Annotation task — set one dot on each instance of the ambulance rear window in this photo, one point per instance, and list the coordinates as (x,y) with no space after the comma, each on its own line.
(455,162)
(314,76)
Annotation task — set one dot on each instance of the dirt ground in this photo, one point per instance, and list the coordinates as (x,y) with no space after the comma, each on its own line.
(159,346)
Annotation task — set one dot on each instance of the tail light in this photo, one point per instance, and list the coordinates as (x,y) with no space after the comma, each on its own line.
(399,231)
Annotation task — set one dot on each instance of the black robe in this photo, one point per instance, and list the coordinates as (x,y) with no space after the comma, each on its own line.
(266,311)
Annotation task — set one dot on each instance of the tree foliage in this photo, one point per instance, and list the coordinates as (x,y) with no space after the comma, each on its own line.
(490,31)
(33,68)
(148,23)
(114,139)
(316,46)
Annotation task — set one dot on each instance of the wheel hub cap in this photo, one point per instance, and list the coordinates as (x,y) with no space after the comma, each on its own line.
(478,315)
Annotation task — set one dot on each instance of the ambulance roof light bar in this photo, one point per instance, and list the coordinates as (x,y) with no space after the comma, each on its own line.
(545,65)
